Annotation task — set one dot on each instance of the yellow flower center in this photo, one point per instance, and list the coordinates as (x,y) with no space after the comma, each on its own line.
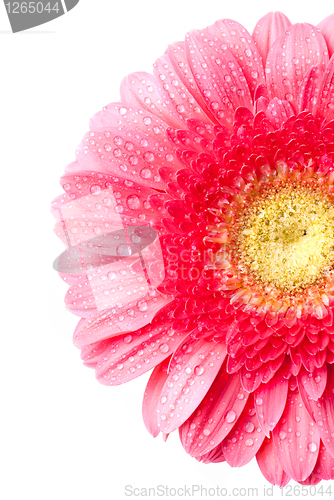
(287,238)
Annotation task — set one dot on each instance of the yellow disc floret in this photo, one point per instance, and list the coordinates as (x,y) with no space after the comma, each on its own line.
(287,238)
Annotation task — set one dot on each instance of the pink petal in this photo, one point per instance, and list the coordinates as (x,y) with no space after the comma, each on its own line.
(126,153)
(143,90)
(322,411)
(269,464)
(91,353)
(326,27)
(245,439)
(279,111)
(117,114)
(215,416)
(291,56)
(243,48)
(296,439)
(194,367)
(311,480)
(174,91)
(133,354)
(218,76)
(308,95)
(314,382)
(326,94)
(128,318)
(267,30)
(270,399)
(151,397)
(324,468)
(214,456)
(178,58)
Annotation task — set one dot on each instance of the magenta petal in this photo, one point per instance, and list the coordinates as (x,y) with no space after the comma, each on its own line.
(151,397)
(269,464)
(133,354)
(267,30)
(314,382)
(324,468)
(143,90)
(218,76)
(296,439)
(194,367)
(215,416)
(291,56)
(245,439)
(270,399)
(243,48)
(326,27)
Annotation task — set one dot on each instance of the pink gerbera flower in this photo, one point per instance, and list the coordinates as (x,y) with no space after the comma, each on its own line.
(199,221)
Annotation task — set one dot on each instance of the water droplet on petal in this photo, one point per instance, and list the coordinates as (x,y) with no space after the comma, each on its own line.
(230,416)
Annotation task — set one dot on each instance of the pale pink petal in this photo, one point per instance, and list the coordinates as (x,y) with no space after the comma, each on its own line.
(314,382)
(326,27)
(242,47)
(127,318)
(245,439)
(143,90)
(291,56)
(174,91)
(126,153)
(269,464)
(194,367)
(218,76)
(178,58)
(308,95)
(324,468)
(296,439)
(215,416)
(325,109)
(322,411)
(117,115)
(90,354)
(133,354)
(270,399)
(152,396)
(278,111)
(267,30)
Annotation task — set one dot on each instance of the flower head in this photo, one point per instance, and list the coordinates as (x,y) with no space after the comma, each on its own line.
(199,223)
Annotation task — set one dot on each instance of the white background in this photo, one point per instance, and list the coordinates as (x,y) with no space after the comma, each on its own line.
(64,436)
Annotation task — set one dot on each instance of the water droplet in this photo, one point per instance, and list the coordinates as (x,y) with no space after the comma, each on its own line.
(249,442)
(128,339)
(164,348)
(258,401)
(282,435)
(163,399)
(206,432)
(199,370)
(312,447)
(95,189)
(123,250)
(120,366)
(249,426)
(133,202)
(230,416)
